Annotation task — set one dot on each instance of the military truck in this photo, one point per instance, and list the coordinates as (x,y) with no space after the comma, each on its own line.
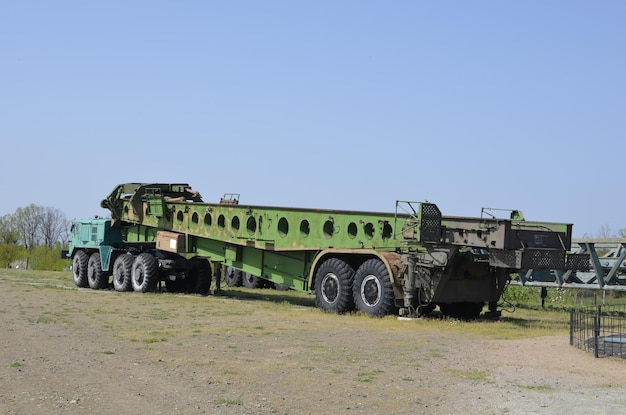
(408,261)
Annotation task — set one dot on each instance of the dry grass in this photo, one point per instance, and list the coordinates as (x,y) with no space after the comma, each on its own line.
(263,351)
(162,314)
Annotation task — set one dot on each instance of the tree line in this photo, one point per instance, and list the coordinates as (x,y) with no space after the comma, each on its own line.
(34,235)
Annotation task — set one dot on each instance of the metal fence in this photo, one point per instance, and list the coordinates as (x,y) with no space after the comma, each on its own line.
(601,330)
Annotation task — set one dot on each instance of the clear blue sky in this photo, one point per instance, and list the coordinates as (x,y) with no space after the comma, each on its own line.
(321,104)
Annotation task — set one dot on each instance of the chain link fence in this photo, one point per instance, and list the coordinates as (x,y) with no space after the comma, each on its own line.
(599,329)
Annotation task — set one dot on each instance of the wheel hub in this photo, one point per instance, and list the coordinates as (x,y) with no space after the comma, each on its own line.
(330,288)
(371,290)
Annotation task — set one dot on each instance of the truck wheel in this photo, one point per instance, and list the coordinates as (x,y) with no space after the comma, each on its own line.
(145,273)
(333,286)
(175,286)
(373,293)
(79,269)
(251,281)
(122,272)
(202,277)
(233,277)
(95,276)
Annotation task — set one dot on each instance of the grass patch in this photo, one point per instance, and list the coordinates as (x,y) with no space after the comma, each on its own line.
(154,340)
(474,375)
(45,319)
(367,377)
(539,388)
(17,364)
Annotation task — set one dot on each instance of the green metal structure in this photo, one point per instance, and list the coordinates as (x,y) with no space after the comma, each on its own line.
(409,261)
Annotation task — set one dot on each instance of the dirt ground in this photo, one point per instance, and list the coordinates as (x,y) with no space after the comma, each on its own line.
(67,350)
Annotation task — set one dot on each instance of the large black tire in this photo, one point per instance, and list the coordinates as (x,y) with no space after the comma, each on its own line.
(122,272)
(233,277)
(145,273)
(95,276)
(79,269)
(372,290)
(175,286)
(333,286)
(201,277)
(251,281)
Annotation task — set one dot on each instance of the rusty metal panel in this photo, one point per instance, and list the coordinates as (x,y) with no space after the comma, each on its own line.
(476,232)
(506,234)
(505,259)
(171,242)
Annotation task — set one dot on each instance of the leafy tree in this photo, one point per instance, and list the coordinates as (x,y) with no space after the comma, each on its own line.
(9,249)
(10,253)
(44,258)
(34,234)
(8,232)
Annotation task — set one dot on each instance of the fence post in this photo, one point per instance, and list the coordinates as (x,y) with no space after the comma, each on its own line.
(596,332)
(571,326)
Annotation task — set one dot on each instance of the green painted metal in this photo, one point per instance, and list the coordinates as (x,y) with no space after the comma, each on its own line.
(162,206)
(95,235)
(430,258)
(281,243)
(273,228)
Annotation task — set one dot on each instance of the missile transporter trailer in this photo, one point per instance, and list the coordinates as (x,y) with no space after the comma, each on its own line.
(406,262)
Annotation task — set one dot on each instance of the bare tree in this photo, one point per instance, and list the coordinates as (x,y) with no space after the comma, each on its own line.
(606,232)
(28,222)
(53,227)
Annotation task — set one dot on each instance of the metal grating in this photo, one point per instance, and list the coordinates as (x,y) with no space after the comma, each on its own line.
(505,259)
(543,259)
(578,262)
(430,226)
(601,330)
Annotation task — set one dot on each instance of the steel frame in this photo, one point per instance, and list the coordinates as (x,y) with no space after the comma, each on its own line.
(607,268)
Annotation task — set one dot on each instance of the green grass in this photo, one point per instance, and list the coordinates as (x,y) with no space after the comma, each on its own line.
(474,375)
(368,376)
(161,314)
(154,340)
(558,299)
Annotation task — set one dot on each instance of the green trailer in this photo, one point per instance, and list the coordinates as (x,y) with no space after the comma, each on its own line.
(407,261)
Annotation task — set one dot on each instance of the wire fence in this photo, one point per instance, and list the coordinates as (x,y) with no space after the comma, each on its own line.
(601,330)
